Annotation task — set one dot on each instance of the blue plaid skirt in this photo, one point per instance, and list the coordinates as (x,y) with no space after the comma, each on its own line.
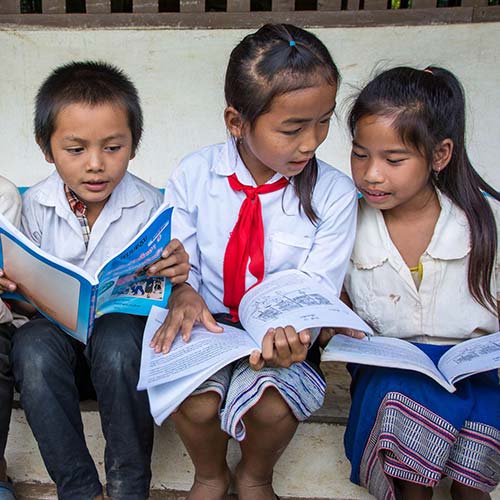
(404,425)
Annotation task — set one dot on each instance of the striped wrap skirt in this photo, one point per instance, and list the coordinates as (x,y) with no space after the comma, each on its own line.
(240,388)
(403,425)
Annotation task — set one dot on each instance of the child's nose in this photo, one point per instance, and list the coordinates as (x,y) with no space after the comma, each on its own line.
(310,142)
(96,161)
(373,172)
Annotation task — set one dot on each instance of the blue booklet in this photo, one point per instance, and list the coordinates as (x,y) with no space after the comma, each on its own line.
(72,298)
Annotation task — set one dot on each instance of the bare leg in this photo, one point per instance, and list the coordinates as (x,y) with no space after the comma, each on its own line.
(412,491)
(270,425)
(461,492)
(197,422)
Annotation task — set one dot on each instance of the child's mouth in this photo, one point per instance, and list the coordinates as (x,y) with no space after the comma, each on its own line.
(375,195)
(96,186)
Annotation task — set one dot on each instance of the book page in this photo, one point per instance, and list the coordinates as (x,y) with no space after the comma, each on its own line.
(205,350)
(471,356)
(123,284)
(383,351)
(293,298)
(166,397)
(59,290)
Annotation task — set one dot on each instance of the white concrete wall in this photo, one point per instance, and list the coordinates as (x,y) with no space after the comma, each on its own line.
(179,74)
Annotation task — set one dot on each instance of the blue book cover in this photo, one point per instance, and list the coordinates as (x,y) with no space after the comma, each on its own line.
(72,298)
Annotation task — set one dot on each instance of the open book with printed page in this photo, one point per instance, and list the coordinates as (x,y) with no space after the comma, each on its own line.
(284,298)
(72,298)
(467,358)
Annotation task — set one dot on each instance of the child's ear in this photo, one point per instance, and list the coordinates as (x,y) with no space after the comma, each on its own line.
(234,122)
(46,154)
(48,157)
(442,155)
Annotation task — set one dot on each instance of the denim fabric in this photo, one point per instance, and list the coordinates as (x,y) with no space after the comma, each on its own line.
(6,384)
(52,371)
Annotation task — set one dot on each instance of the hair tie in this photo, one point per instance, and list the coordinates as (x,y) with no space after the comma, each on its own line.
(292,43)
(427,70)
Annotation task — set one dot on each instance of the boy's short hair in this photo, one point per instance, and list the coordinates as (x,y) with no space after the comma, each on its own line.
(90,83)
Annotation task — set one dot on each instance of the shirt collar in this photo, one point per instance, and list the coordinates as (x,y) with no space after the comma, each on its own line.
(125,195)
(451,238)
(373,245)
(228,162)
(77,206)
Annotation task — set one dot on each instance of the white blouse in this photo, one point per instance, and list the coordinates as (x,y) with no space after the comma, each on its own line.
(442,310)
(206,210)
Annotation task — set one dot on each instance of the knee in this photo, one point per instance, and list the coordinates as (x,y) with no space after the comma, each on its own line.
(271,409)
(35,356)
(32,348)
(460,491)
(199,409)
(115,344)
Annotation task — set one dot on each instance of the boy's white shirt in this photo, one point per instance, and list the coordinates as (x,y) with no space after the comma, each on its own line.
(383,293)
(10,207)
(48,221)
(206,210)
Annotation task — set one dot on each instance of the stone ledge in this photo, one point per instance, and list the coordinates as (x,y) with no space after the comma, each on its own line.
(312,466)
(37,491)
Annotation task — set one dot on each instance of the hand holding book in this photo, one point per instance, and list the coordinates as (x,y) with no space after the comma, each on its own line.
(6,285)
(281,347)
(186,308)
(173,264)
(327,333)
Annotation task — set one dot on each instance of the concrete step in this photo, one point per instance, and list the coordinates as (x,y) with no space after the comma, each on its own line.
(312,467)
(34,491)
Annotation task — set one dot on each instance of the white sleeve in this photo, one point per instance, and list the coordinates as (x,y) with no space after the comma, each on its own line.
(10,201)
(335,234)
(30,224)
(10,207)
(184,225)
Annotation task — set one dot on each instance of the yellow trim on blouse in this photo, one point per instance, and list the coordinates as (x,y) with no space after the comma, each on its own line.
(417,273)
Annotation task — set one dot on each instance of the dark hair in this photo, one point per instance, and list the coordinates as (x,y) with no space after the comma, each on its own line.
(275,60)
(87,82)
(429,106)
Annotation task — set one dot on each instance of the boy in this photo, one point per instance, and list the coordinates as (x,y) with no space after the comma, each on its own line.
(10,207)
(88,123)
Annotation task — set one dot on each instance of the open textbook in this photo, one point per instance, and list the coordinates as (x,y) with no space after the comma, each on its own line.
(72,298)
(462,360)
(285,298)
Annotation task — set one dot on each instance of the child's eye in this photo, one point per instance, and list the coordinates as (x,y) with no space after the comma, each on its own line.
(358,155)
(112,149)
(395,161)
(74,151)
(291,132)
(326,120)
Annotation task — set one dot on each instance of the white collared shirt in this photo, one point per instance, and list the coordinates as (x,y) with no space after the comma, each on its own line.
(206,211)
(383,293)
(48,221)
(10,208)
